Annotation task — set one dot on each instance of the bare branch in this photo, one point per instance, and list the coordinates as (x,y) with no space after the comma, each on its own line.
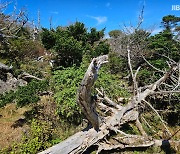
(139,126)
(158,116)
(83,140)
(141,18)
(129,62)
(167,92)
(152,65)
(110,102)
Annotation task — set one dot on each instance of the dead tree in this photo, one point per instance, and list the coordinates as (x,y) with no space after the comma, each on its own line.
(115,115)
(102,126)
(11,24)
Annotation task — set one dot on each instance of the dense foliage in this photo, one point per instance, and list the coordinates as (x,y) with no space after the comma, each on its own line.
(15,46)
(69,44)
(66,83)
(115,33)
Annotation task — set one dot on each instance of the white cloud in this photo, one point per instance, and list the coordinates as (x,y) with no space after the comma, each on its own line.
(156,31)
(54,12)
(100,20)
(106,36)
(108,4)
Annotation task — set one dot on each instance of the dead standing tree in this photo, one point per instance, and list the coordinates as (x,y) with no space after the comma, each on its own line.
(12,23)
(103,126)
(10,26)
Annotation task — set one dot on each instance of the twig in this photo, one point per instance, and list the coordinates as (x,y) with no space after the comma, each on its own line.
(146,122)
(135,86)
(141,18)
(158,116)
(152,65)
(139,126)
(174,134)
(167,92)
(108,100)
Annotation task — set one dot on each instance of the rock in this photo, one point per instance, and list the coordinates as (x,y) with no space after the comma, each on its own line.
(4,67)
(11,83)
(7,80)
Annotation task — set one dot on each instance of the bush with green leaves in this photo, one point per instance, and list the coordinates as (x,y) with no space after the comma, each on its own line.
(115,33)
(66,83)
(100,49)
(69,51)
(163,44)
(70,44)
(78,31)
(37,139)
(8,97)
(24,95)
(48,38)
(144,77)
(117,64)
(112,84)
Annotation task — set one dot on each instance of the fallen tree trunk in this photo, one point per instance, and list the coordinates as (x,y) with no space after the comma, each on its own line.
(102,127)
(78,143)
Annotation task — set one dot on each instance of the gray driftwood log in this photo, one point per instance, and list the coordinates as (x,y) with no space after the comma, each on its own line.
(102,127)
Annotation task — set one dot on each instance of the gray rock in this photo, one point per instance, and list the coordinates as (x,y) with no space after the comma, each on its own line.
(11,83)
(4,67)
(7,80)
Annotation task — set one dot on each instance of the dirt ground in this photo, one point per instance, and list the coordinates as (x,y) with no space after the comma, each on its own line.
(11,124)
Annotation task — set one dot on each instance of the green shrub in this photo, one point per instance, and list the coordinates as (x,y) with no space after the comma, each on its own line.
(71,43)
(38,139)
(48,38)
(117,64)
(159,63)
(144,77)
(29,94)
(101,49)
(69,51)
(148,75)
(6,98)
(24,95)
(66,83)
(112,84)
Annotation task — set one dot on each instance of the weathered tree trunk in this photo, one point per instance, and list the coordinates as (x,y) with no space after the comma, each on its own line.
(84,97)
(102,127)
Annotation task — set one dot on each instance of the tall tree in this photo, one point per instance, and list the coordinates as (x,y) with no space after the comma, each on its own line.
(170,21)
(115,33)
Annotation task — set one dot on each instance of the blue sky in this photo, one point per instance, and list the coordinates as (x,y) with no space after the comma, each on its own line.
(111,14)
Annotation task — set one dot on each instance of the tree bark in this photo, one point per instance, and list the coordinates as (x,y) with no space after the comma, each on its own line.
(84,97)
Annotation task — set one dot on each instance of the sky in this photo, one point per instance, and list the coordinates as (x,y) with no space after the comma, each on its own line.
(109,14)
